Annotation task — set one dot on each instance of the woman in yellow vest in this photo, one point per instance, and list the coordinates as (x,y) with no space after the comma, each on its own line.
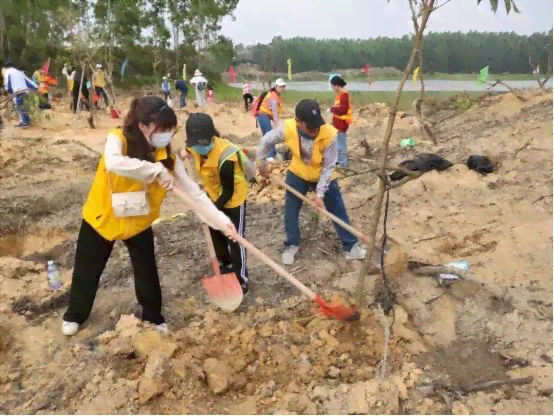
(314,157)
(99,83)
(269,108)
(342,117)
(217,164)
(133,176)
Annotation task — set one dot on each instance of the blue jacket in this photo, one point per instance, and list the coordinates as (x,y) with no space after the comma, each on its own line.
(182,87)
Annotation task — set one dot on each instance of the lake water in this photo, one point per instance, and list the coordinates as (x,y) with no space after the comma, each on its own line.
(430,85)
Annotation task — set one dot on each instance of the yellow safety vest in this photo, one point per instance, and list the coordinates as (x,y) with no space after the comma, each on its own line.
(98,206)
(312,170)
(266,109)
(348,116)
(99,80)
(208,172)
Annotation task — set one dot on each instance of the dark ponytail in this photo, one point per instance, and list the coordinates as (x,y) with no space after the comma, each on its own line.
(146,110)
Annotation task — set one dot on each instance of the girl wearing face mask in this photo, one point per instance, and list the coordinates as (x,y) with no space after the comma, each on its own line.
(136,170)
(217,163)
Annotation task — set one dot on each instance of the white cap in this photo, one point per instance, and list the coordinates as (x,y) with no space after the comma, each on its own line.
(280,83)
(197,72)
(98,65)
(50,262)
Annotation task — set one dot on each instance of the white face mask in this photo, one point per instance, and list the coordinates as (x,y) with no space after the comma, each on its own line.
(160,140)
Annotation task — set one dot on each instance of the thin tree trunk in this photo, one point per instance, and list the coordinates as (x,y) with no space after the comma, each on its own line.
(27,32)
(426,10)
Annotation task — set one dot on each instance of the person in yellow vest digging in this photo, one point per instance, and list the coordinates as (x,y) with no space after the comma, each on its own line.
(220,165)
(314,158)
(99,83)
(268,108)
(136,170)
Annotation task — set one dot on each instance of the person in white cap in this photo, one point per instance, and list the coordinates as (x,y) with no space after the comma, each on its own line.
(99,83)
(166,89)
(200,83)
(268,107)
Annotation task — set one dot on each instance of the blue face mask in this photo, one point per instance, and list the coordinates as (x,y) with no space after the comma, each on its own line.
(203,150)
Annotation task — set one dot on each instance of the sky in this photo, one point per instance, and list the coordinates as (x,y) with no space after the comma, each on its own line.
(258,21)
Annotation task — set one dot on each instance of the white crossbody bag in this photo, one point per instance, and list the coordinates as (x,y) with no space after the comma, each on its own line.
(129,204)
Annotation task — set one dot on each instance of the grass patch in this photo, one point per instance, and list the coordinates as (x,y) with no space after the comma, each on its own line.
(360,98)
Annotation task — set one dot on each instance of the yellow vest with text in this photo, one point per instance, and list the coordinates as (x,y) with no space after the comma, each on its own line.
(208,172)
(312,170)
(266,109)
(98,206)
(348,116)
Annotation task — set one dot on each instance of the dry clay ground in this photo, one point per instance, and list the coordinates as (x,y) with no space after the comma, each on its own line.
(276,354)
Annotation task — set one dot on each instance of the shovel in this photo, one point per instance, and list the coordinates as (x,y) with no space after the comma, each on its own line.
(336,310)
(223,290)
(278,181)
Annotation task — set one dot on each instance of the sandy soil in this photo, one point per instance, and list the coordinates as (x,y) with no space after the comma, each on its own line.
(276,354)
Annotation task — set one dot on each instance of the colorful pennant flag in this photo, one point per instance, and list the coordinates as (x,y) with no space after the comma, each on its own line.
(483,75)
(290,68)
(416,73)
(366,69)
(123,67)
(232,74)
(46,66)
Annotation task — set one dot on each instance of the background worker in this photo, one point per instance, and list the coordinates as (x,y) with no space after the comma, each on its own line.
(269,107)
(18,84)
(247,95)
(181,86)
(342,117)
(200,83)
(99,84)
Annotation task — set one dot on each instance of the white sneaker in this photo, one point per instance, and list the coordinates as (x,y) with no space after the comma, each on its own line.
(162,328)
(69,328)
(288,255)
(357,252)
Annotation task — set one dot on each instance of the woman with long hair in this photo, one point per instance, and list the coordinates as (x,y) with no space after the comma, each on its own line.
(136,170)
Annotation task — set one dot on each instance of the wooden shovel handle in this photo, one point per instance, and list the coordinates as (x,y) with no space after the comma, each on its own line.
(211,249)
(255,251)
(278,181)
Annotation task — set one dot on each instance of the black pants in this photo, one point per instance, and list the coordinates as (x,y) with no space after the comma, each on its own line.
(101,92)
(231,255)
(91,256)
(75,92)
(248,99)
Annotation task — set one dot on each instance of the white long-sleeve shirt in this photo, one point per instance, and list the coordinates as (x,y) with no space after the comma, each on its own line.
(330,155)
(15,81)
(197,79)
(147,172)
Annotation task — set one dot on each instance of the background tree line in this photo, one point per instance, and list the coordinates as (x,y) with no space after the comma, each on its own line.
(446,52)
(155,36)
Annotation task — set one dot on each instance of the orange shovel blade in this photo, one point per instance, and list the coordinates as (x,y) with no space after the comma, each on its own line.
(337,310)
(223,291)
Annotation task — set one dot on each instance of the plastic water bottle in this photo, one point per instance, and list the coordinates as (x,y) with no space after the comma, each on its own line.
(54,279)
(462,265)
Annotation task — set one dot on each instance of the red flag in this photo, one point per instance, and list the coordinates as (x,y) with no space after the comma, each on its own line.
(232,74)
(366,69)
(46,66)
